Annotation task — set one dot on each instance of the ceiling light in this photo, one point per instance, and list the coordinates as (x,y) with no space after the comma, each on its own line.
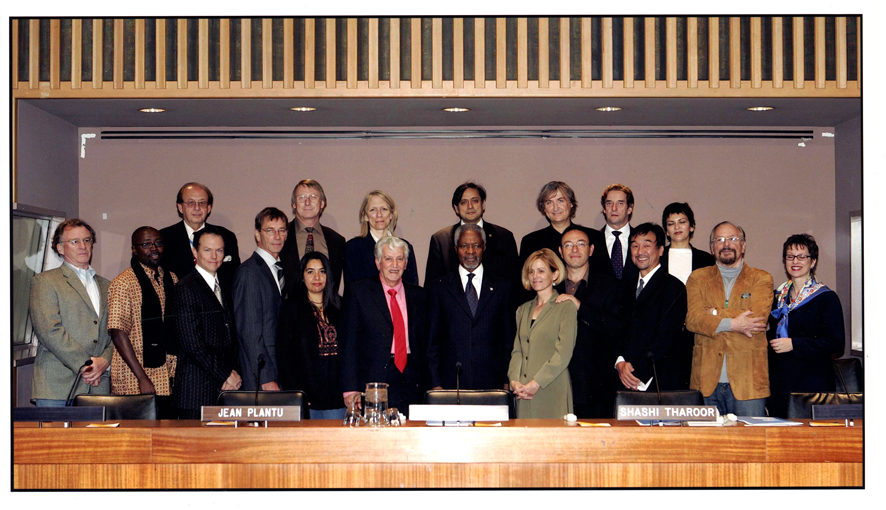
(760,108)
(152,110)
(456,109)
(303,109)
(608,108)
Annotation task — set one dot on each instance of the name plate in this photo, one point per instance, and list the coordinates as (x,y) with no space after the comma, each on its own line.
(250,413)
(453,413)
(680,413)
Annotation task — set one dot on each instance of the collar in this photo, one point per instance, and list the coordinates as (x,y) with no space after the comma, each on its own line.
(583,278)
(478,273)
(209,277)
(648,276)
(267,257)
(730,272)
(300,227)
(479,223)
(624,230)
(83,274)
(399,287)
(191,231)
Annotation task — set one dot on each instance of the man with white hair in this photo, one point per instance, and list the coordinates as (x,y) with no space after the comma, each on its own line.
(382,330)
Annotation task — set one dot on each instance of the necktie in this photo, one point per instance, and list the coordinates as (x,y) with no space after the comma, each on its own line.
(471,294)
(309,245)
(617,257)
(399,332)
(217,291)
(639,289)
(280,278)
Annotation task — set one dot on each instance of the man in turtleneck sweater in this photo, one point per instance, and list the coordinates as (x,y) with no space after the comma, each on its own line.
(728,307)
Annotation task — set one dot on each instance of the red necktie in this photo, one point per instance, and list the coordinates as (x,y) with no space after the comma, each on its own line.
(399,332)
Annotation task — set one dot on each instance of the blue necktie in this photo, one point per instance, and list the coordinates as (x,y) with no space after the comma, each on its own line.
(617,258)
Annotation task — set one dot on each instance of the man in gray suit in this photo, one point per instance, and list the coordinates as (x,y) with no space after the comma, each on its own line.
(258,285)
(69,310)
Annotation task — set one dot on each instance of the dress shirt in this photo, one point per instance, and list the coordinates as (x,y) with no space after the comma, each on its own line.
(401,300)
(272,265)
(301,238)
(572,287)
(87,278)
(209,277)
(191,231)
(477,282)
(623,238)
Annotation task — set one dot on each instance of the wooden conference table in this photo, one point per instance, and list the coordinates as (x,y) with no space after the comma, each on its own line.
(520,453)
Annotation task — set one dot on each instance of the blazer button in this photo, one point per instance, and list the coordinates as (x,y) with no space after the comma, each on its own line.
(95,322)
(527,358)
(95,341)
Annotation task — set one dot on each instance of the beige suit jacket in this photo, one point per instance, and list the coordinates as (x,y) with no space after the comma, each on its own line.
(746,359)
(542,352)
(69,332)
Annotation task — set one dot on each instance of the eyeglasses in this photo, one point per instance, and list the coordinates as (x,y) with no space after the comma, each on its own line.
(147,246)
(578,244)
(801,258)
(87,241)
(200,205)
(724,239)
(271,231)
(305,198)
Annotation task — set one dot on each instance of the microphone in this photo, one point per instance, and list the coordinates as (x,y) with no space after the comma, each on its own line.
(843,381)
(261,365)
(457,382)
(654,375)
(76,380)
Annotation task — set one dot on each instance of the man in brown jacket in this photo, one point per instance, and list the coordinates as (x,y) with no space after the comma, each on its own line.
(728,307)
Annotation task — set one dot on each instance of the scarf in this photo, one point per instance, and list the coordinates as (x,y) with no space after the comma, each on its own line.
(154,340)
(783,307)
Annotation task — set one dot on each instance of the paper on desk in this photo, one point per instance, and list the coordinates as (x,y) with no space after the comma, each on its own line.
(644,387)
(103,425)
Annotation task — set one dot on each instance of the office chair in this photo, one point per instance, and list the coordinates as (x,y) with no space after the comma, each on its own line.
(121,407)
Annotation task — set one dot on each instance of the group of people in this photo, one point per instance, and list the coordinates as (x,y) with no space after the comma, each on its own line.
(575,316)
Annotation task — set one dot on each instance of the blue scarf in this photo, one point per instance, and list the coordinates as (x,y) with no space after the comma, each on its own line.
(810,289)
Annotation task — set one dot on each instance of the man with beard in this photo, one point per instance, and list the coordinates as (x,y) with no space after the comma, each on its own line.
(728,307)
(144,361)
(468,319)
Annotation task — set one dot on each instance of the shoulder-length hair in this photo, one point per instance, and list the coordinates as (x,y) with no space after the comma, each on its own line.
(364,226)
(549,258)
(329,295)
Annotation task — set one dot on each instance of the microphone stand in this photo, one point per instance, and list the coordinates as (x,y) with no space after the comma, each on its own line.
(261,365)
(76,380)
(457,382)
(654,375)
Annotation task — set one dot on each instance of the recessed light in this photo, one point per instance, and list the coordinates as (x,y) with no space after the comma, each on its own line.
(608,108)
(760,108)
(456,109)
(152,110)
(303,109)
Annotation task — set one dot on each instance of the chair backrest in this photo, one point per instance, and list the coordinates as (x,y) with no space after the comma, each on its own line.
(650,398)
(800,404)
(266,398)
(121,407)
(493,397)
(852,372)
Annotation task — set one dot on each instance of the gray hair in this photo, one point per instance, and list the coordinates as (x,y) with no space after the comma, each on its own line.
(468,227)
(394,243)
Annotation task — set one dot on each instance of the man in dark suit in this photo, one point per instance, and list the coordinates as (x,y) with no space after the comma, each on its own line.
(654,309)
(258,285)
(307,234)
(202,316)
(595,296)
(617,201)
(500,254)
(69,310)
(382,337)
(469,320)
(194,204)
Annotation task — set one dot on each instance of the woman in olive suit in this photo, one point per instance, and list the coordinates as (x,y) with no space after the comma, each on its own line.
(544,342)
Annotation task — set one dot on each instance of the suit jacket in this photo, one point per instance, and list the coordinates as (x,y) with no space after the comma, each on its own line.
(360,261)
(298,353)
(177,256)
(700,258)
(291,259)
(552,338)
(207,343)
(746,362)
(367,332)
(601,260)
(256,308)
(480,342)
(817,335)
(599,331)
(499,257)
(69,333)
(654,323)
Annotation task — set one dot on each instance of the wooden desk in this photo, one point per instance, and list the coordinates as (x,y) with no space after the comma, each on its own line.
(521,453)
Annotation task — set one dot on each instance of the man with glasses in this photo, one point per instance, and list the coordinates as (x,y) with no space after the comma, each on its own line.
(258,287)
(595,296)
(729,304)
(69,311)
(144,358)
(194,205)
(306,234)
